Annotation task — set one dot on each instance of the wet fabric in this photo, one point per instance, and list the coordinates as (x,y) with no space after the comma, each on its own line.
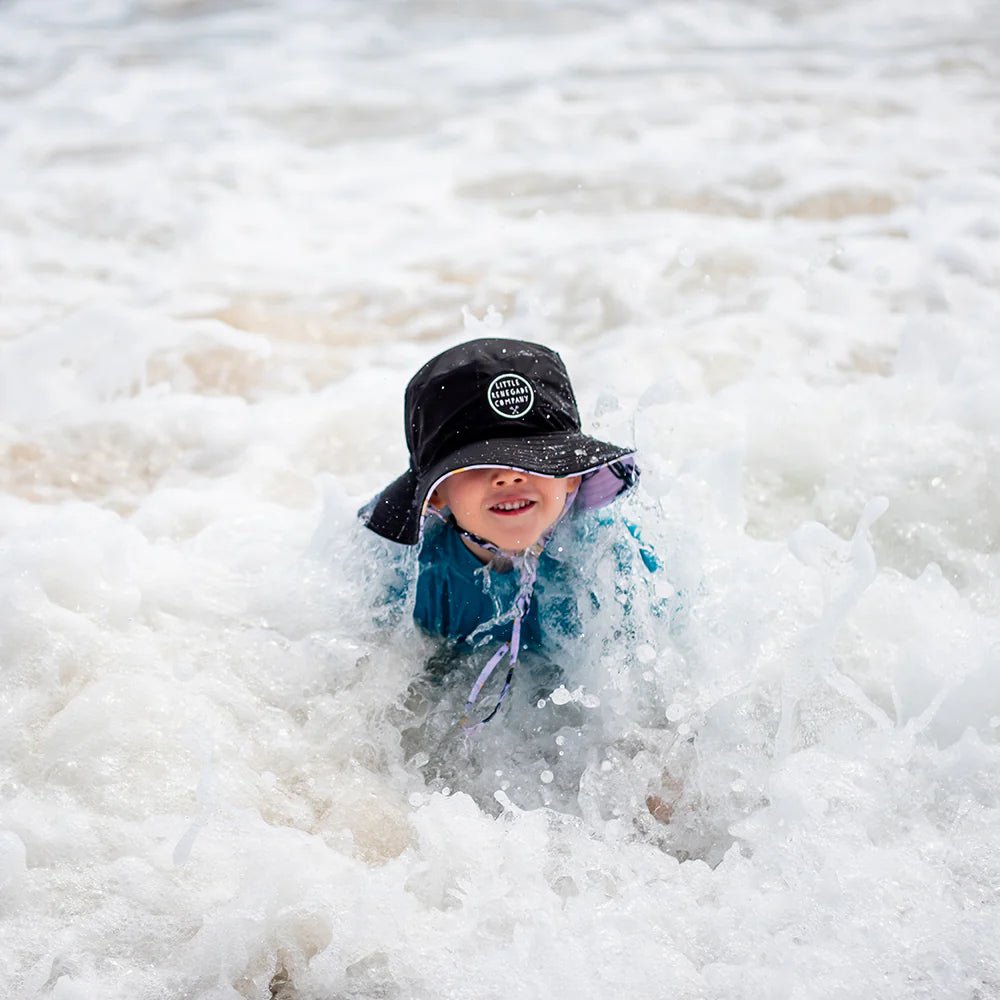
(460,598)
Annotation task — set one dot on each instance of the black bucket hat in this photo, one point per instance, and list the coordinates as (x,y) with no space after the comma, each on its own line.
(487,403)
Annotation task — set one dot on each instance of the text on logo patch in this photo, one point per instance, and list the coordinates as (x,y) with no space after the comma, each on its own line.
(510,395)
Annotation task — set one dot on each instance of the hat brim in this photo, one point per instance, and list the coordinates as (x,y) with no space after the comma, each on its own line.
(397,512)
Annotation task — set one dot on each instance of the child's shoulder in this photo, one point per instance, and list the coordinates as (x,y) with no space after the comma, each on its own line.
(609,531)
(441,550)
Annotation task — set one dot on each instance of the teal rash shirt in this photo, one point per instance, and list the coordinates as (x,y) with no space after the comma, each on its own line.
(457,595)
(461,599)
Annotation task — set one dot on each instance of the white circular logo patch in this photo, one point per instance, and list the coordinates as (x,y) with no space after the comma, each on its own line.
(510,395)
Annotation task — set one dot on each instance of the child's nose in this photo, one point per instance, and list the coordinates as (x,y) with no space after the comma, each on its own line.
(507,477)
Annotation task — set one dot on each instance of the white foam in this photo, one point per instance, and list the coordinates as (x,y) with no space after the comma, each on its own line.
(762,238)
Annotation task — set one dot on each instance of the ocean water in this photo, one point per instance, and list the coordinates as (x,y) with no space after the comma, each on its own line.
(765,238)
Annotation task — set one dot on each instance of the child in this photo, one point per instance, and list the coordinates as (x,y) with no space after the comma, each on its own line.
(498,461)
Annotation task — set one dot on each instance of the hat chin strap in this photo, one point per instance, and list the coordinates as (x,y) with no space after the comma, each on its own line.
(526,564)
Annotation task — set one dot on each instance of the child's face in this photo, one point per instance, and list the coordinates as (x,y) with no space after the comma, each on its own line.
(511,509)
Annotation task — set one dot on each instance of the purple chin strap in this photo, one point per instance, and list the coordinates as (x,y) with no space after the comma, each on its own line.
(597,489)
(526,564)
(527,568)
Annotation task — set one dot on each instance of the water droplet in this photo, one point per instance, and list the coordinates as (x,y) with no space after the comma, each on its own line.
(561,696)
(546,777)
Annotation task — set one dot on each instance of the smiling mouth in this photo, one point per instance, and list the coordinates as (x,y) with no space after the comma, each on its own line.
(508,508)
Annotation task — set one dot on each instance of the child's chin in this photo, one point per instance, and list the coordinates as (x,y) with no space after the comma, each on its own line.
(515,538)
(516,543)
